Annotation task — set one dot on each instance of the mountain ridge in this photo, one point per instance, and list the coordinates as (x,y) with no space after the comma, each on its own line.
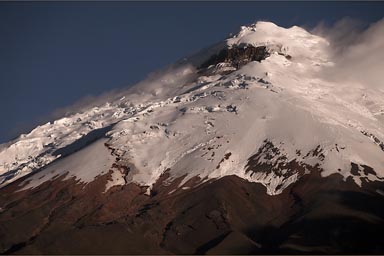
(286,66)
(246,150)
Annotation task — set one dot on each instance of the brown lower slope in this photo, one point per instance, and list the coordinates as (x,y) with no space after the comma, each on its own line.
(226,216)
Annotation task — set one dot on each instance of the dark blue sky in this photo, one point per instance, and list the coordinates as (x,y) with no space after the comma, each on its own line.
(54,53)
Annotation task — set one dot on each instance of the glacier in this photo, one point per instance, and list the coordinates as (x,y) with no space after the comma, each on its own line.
(190,121)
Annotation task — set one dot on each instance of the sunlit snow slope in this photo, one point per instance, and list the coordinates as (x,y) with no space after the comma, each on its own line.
(269,120)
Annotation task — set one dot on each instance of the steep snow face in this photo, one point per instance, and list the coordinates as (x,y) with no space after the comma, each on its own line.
(269,122)
(84,166)
(41,146)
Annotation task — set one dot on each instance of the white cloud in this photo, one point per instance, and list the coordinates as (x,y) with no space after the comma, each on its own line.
(358,53)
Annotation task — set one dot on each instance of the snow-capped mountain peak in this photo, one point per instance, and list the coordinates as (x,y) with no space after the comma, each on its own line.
(257,108)
(293,41)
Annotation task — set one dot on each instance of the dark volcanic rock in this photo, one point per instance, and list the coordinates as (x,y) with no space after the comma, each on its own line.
(238,56)
(227,216)
(262,162)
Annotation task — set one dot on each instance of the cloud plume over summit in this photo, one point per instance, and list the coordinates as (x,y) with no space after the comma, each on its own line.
(357,51)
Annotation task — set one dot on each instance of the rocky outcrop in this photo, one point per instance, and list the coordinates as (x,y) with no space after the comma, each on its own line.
(238,56)
(232,58)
